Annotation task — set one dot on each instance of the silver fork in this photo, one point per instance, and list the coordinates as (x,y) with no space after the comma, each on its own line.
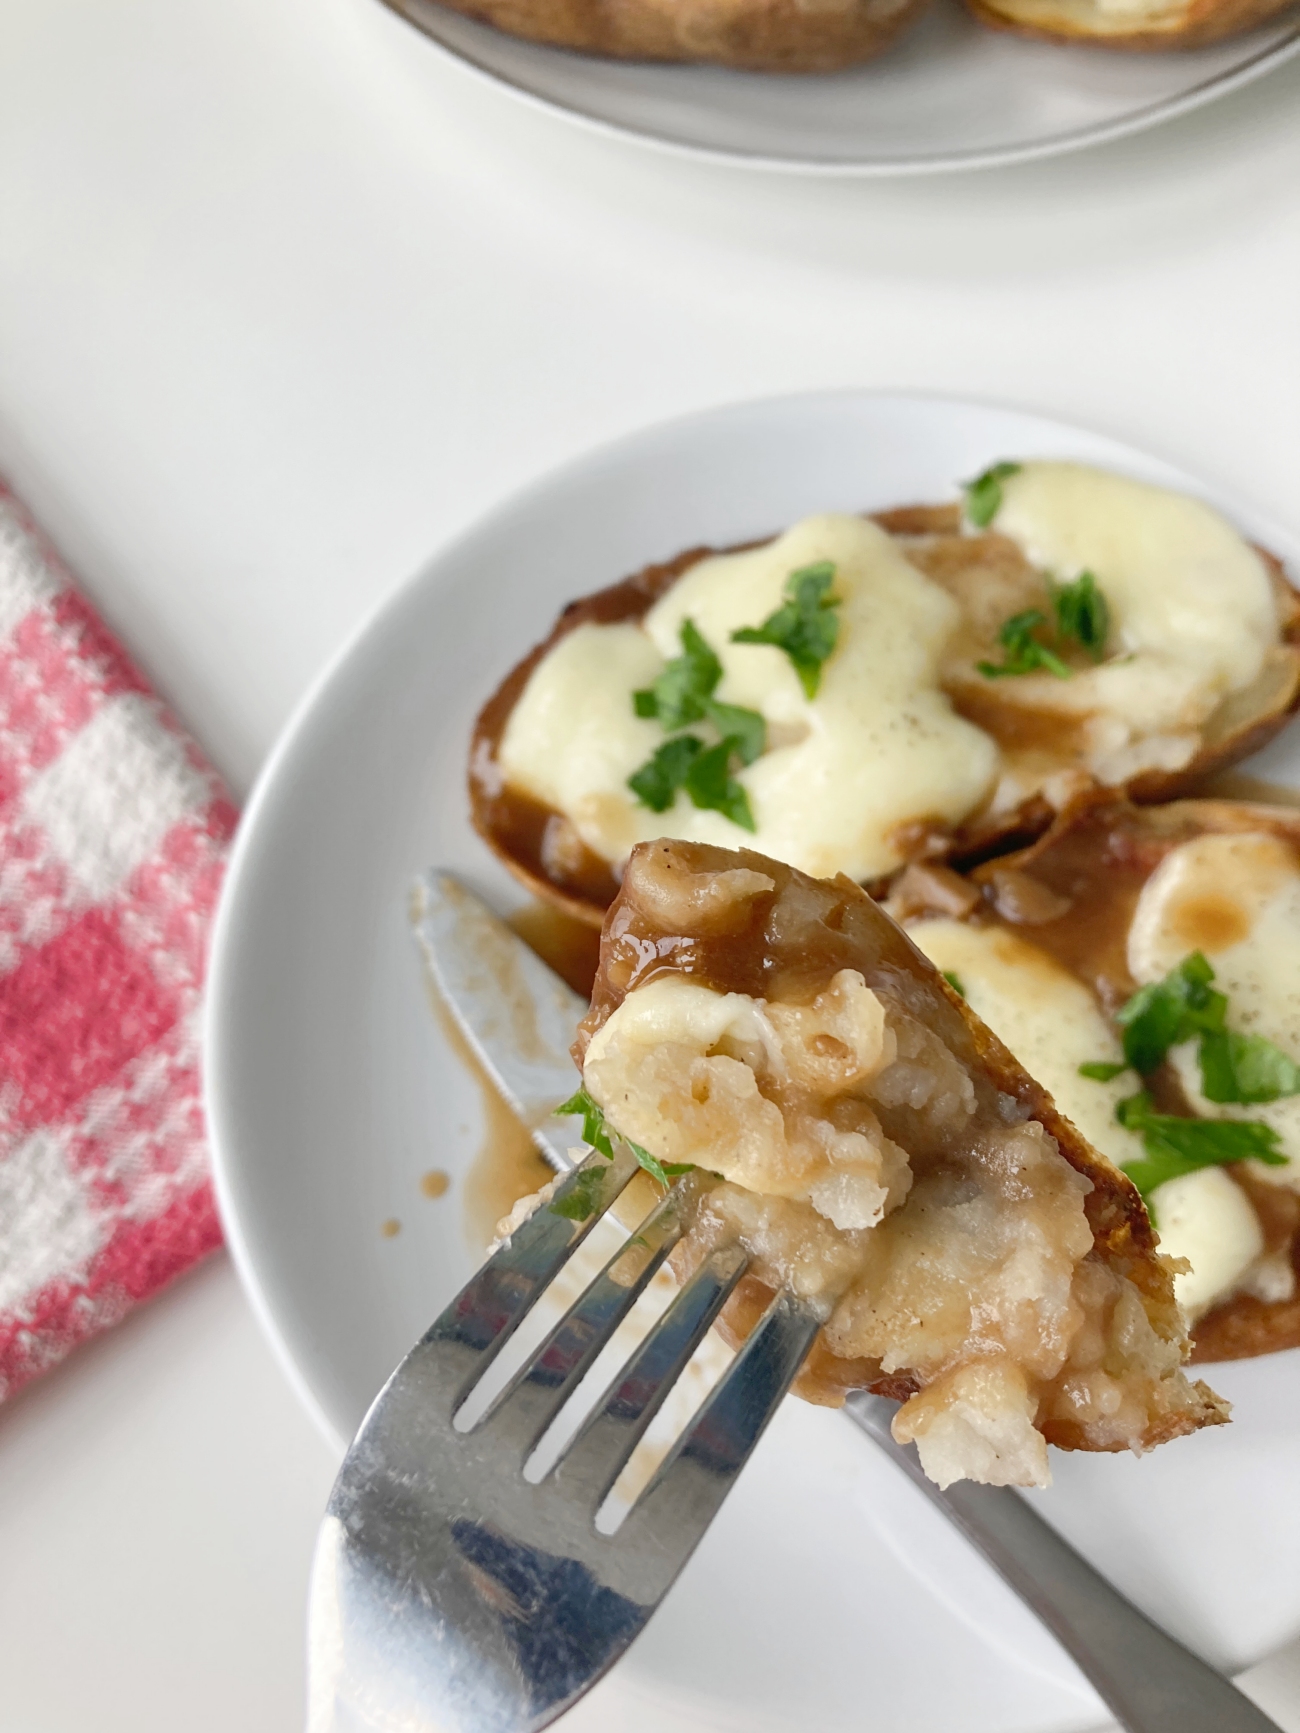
(451,1593)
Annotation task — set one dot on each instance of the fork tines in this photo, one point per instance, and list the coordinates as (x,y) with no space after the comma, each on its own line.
(524,1601)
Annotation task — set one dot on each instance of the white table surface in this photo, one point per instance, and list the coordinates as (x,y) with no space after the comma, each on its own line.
(285,300)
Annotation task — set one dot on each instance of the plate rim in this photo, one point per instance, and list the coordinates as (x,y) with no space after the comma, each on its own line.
(1265,60)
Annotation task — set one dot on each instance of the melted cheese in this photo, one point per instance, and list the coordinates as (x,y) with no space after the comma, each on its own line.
(1236,897)
(1192,611)
(1207,1219)
(1046,1016)
(879,747)
(1052,1023)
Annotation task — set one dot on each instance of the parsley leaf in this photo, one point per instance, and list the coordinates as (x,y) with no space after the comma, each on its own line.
(1245,1068)
(805,626)
(745,727)
(663,1171)
(984,494)
(1082,613)
(1166,1012)
(712,787)
(597,1134)
(1102,1070)
(1024,653)
(1177,1146)
(677,696)
(684,693)
(580,1201)
(1234,1067)
(954,981)
(593,1120)
(656,783)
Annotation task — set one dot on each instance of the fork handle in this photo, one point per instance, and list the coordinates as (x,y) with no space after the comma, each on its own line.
(1149,1682)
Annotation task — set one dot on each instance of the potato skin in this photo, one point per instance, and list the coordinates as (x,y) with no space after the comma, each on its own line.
(753,35)
(1196,24)
(1240,1327)
(517,838)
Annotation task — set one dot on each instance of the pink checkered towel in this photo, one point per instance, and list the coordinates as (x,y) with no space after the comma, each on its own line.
(113,835)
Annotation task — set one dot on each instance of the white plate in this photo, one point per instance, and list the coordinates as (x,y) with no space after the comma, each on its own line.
(949,95)
(331,1090)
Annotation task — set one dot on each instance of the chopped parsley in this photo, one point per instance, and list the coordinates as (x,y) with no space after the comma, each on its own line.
(1082,613)
(1234,1068)
(593,1121)
(678,695)
(597,1133)
(683,693)
(581,1198)
(705,774)
(1245,1068)
(805,626)
(954,981)
(984,494)
(746,729)
(1177,1146)
(1025,654)
(656,783)
(1164,1013)
(713,788)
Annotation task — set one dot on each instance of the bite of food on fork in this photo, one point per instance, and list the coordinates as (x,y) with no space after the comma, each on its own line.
(882,1156)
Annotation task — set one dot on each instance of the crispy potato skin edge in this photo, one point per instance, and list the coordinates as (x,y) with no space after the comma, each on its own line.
(772,36)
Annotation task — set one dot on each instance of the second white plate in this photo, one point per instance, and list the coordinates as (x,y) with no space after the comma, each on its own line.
(949,95)
(828,1594)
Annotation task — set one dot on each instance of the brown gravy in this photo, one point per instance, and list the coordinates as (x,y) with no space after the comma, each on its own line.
(508,1164)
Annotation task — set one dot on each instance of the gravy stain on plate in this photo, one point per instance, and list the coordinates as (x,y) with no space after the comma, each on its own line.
(508,1164)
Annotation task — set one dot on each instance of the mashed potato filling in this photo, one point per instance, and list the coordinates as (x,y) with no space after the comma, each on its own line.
(1053,1024)
(878,747)
(1193,618)
(955,1251)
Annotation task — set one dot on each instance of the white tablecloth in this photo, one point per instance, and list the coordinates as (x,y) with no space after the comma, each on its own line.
(285,300)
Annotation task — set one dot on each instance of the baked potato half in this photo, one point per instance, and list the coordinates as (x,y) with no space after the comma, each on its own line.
(1141,25)
(753,35)
(879,1151)
(900,680)
(1074,950)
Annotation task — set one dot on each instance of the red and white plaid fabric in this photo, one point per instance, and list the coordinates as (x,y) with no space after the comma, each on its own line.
(113,835)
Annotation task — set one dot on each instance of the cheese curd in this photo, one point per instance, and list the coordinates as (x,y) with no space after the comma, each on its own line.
(1192,612)
(880,746)
(1235,897)
(678,1067)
